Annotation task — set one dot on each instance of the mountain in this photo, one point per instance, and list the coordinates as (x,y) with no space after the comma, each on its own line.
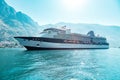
(7,13)
(112,33)
(14,23)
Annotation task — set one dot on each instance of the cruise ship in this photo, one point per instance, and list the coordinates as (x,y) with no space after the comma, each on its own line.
(63,38)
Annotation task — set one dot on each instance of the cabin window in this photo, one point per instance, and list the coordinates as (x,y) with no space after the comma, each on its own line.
(38,44)
(33,39)
(49,32)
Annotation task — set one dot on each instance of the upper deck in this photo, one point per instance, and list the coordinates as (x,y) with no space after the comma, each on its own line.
(64,33)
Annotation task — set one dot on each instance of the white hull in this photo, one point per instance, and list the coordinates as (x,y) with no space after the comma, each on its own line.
(51,45)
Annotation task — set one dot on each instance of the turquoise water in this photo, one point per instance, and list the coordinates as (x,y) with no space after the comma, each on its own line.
(19,64)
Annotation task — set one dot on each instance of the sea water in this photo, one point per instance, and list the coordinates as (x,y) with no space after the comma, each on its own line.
(95,64)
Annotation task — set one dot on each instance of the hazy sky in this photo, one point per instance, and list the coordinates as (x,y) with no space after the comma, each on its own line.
(76,11)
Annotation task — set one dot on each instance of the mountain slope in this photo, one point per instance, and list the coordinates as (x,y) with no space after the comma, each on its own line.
(7,13)
(14,23)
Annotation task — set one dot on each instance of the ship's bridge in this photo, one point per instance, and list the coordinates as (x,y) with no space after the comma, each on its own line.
(51,32)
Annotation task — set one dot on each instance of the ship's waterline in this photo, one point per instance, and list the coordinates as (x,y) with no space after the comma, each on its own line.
(53,38)
(50,45)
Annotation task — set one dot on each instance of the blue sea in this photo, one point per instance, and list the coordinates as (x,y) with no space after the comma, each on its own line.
(95,64)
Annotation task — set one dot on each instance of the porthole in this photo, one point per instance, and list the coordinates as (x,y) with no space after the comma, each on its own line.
(38,44)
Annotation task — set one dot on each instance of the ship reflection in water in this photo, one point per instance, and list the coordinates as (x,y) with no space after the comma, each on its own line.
(17,64)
